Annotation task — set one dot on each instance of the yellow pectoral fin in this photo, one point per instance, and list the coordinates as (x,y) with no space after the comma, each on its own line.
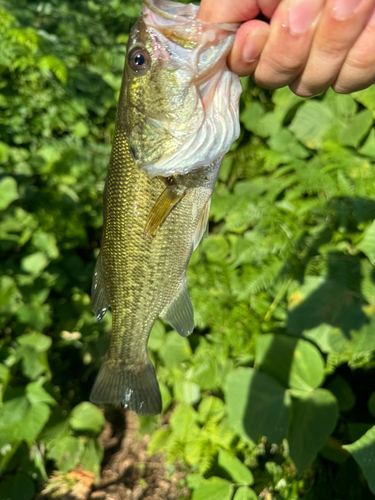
(162,208)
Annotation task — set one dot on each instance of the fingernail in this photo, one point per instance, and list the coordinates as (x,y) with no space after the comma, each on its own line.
(302,14)
(343,9)
(254,44)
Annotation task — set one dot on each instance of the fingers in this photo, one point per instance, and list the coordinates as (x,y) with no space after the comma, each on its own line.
(235,11)
(292,31)
(311,45)
(340,24)
(249,44)
(358,71)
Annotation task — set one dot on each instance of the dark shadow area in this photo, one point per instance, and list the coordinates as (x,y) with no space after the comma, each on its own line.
(337,302)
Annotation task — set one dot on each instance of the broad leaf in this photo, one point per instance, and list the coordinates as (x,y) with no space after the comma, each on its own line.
(213,489)
(294,363)
(17,487)
(363,452)
(235,468)
(257,405)
(66,452)
(86,417)
(8,192)
(314,417)
(245,493)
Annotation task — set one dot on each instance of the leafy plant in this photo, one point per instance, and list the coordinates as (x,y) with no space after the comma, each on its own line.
(274,391)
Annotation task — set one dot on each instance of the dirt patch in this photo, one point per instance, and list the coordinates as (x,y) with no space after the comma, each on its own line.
(128,473)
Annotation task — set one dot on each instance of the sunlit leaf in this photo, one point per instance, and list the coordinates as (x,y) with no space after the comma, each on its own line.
(86,417)
(214,488)
(235,468)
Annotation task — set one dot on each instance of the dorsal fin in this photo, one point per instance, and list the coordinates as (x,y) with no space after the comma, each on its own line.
(179,314)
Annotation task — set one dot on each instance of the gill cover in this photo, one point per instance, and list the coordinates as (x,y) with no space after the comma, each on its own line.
(183,111)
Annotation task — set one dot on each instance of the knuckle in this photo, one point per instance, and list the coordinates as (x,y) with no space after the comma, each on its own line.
(273,73)
(286,65)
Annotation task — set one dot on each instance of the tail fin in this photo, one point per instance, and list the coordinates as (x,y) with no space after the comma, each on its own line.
(135,388)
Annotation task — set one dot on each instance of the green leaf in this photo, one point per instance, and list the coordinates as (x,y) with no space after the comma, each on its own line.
(4,152)
(174,350)
(216,248)
(314,417)
(17,487)
(367,244)
(257,405)
(371,404)
(343,392)
(86,417)
(186,392)
(55,65)
(45,242)
(66,452)
(363,452)
(294,363)
(92,457)
(20,420)
(183,420)
(330,313)
(35,263)
(355,129)
(211,408)
(245,493)
(157,336)
(205,373)
(214,488)
(36,340)
(368,148)
(37,394)
(8,192)
(310,123)
(367,98)
(34,421)
(235,468)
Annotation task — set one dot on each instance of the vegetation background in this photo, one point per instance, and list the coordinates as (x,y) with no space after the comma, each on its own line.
(274,394)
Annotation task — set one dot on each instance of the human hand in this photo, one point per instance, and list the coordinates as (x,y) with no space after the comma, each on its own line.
(309,45)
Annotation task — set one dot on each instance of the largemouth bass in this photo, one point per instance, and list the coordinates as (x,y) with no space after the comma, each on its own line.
(177,116)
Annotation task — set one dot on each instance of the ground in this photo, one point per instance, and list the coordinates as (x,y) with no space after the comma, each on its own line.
(128,472)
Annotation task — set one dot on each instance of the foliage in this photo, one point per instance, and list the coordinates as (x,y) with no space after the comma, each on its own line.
(274,390)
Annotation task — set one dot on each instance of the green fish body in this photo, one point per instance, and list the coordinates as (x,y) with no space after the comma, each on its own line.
(153,216)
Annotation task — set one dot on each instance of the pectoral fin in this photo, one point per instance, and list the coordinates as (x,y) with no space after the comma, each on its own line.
(168,199)
(99,297)
(179,314)
(202,227)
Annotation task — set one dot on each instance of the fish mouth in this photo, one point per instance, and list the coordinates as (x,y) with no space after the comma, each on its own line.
(181,24)
(168,10)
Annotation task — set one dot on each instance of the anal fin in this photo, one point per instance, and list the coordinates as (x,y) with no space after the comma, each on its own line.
(179,314)
(168,199)
(99,297)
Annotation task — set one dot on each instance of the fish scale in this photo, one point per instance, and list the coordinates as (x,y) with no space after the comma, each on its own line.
(142,276)
(151,225)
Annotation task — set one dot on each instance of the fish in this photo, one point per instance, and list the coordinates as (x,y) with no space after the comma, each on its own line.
(177,116)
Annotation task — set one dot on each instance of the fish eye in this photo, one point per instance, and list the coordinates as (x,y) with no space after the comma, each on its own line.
(139,60)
